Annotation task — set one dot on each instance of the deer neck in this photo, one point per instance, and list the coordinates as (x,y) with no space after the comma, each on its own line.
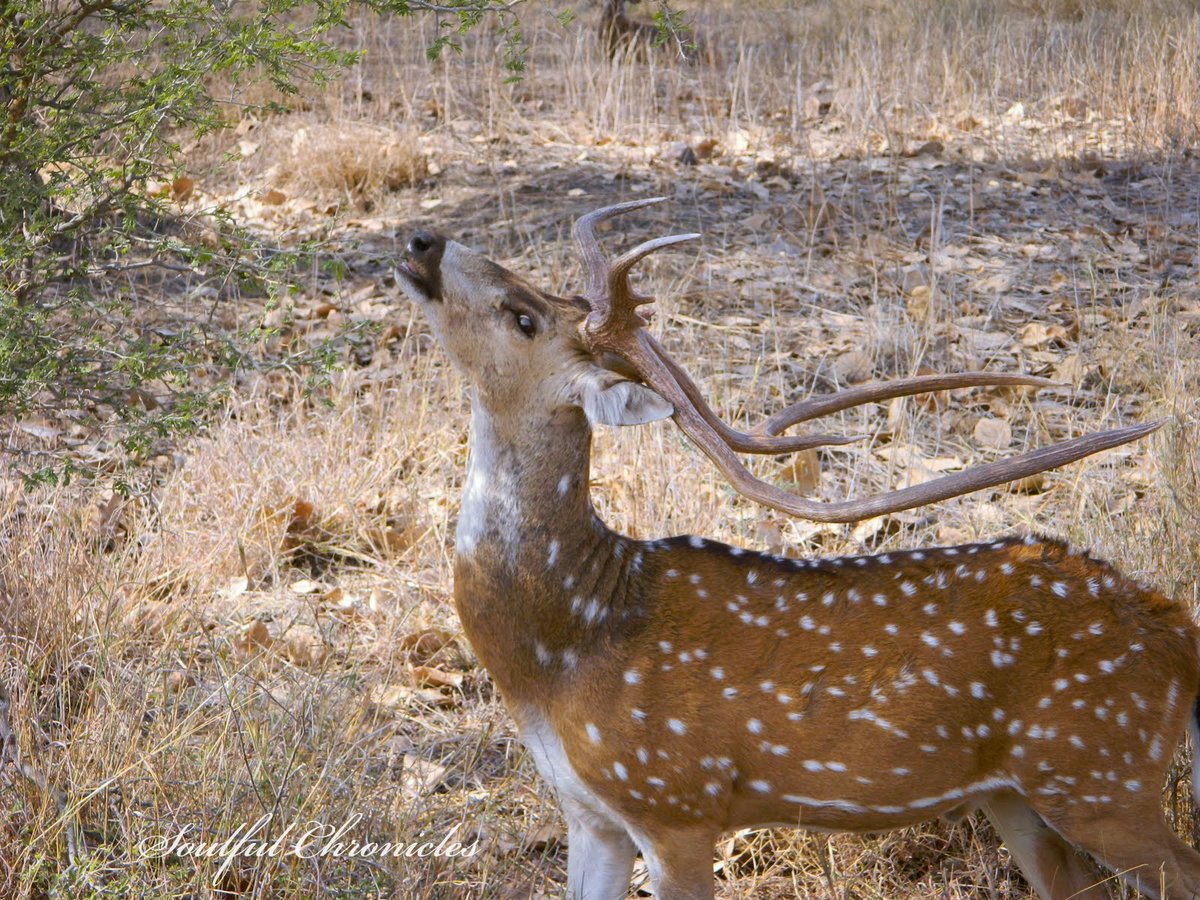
(538,577)
(526,491)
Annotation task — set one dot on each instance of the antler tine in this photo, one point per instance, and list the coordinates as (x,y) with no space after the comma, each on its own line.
(766,437)
(975,479)
(608,292)
(594,261)
(621,266)
(742,441)
(815,407)
(619,312)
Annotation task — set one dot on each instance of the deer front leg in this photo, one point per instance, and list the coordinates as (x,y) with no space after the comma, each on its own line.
(599,858)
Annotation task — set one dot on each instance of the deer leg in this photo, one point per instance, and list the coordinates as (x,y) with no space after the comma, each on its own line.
(599,859)
(1054,868)
(681,864)
(1140,847)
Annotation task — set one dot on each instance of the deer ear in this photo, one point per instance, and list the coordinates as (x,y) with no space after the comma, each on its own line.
(623,403)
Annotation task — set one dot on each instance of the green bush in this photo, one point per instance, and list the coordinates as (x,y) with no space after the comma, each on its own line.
(97,99)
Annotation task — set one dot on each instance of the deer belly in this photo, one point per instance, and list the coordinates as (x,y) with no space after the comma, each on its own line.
(806,805)
(550,759)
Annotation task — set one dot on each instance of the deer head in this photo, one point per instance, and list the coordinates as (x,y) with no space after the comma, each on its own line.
(521,348)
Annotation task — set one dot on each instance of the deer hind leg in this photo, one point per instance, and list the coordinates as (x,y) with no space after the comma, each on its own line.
(1054,868)
(1139,845)
(681,864)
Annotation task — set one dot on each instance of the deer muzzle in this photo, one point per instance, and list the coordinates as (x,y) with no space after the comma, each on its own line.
(419,273)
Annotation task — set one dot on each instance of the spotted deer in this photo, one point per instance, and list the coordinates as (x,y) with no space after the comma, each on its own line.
(671,690)
(619,33)
(623,36)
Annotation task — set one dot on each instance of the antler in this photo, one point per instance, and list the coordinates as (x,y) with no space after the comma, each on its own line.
(615,326)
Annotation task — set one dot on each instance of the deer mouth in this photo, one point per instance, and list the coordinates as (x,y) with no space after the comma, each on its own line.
(417,283)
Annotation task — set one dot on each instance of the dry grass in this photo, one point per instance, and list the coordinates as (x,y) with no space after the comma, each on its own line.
(357,161)
(239,640)
(886,73)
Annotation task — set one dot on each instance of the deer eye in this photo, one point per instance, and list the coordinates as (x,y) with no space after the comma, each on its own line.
(526,324)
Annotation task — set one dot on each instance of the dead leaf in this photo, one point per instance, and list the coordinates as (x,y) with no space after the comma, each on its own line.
(422,646)
(141,399)
(943,463)
(390,333)
(178,680)
(302,526)
(1119,505)
(104,516)
(306,650)
(1037,334)
(273,197)
(254,637)
(867,529)
(419,777)
(994,284)
(431,677)
(396,747)
(1073,370)
(305,586)
(402,697)
(301,520)
(993,433)
(350,607)
(919,302)
(39,430)
(804,471)
(853,367)
(237,587)
(390,696)
(999,406)
(182,189)
(388,539)
(151,617)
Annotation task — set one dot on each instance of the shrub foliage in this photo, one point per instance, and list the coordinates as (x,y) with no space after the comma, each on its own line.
(110,296)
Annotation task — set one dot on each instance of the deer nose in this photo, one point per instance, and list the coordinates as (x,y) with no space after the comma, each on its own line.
(426,248)
(422,264)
